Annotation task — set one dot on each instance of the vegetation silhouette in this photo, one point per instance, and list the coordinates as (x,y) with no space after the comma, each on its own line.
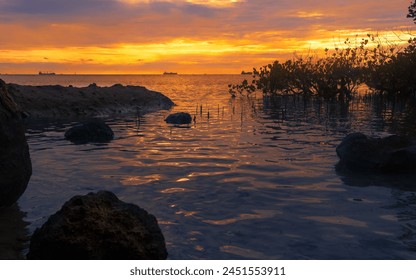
(412,11)
(339,73)
(385,67)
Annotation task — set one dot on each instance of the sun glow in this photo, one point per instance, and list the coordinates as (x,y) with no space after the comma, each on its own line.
(189,54)
(186,36)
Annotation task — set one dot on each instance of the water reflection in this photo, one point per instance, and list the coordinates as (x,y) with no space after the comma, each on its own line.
(396,116)
(374,115)
(367,113)
(254,180)
(406,208)
(402,188)
(402,181)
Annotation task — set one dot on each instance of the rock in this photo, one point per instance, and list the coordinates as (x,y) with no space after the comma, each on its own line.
(15,163)
(14,236)
(390,154)
(401,160)
(98,226)
(92,131)
(77,103)
(179,118)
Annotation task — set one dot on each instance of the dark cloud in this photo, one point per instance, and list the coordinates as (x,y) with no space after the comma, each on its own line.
(58,7)
(200,10)
(241,18)
(110,8)
(107,22)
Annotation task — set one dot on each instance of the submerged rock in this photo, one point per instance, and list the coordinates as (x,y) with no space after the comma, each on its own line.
(179,118)
(91,131)
(390,154)
(15,163)
(98,226)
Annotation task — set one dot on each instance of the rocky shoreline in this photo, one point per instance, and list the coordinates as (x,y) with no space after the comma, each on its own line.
(59,102)
(72,103)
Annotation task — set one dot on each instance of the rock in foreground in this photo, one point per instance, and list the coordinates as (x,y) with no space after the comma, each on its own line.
(15,163)
(92,131)
(14,236)
(179,118)
(359,152)
(62,103)
(98,226)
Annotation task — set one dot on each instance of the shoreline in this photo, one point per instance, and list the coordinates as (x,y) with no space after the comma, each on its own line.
(55,102)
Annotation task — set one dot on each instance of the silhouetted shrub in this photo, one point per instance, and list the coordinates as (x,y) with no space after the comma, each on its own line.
(412,11)
(388,68)
(395,73)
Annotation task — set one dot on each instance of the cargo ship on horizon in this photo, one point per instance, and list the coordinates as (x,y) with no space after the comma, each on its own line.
(46,73)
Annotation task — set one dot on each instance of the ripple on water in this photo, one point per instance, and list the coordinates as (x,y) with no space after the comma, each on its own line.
(258,187)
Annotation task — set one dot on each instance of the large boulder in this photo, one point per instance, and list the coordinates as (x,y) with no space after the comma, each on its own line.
(15,164)
(359,152)
(98,226)
(179,118)
(91,131)
(14,236)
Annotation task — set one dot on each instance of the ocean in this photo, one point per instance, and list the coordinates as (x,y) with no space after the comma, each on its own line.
(252,178)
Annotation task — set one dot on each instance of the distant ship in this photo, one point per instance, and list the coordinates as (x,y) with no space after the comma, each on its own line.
(170,73)
(246,73)
(46,73)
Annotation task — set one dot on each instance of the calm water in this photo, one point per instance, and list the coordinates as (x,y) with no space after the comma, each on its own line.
(253,180)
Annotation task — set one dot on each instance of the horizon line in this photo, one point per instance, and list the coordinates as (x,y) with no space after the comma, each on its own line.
(111,74)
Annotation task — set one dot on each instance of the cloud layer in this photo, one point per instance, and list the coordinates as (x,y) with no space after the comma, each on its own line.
(202,36)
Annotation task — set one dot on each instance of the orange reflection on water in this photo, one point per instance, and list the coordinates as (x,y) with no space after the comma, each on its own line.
(174,190)
(235,250)
(186,213)
(140,180)
(337,220)
(260,214)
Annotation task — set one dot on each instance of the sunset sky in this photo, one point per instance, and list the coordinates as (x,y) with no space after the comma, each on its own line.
(185,36)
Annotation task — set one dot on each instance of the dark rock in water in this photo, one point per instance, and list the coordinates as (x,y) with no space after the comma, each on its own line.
(179,118)
(401,160)
(92,131)
(98,226)
(396,180)
(15,163)
(391,154)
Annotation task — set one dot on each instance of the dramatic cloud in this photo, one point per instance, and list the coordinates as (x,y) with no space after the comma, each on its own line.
(203,36)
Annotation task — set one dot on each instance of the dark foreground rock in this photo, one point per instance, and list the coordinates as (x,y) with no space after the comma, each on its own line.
(98,226)
(15,164)
(359,152)
(62,103)
(92,131)
(179,118)
(14,236)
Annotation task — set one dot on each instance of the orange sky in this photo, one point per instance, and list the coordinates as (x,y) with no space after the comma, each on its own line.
(185,36)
